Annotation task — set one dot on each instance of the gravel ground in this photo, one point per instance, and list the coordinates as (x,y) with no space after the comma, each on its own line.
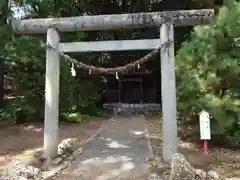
(223,160)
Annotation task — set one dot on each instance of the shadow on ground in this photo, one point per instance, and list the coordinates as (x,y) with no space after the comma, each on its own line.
(120,151)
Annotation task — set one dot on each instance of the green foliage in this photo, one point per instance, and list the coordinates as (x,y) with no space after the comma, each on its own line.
(73,117)
(208,71)
(26,65)
(18,111)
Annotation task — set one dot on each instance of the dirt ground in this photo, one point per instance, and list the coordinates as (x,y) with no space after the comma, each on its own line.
(224,161)
(23,140)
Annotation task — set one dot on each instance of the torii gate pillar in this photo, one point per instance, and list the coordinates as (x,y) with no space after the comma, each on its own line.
(51,95)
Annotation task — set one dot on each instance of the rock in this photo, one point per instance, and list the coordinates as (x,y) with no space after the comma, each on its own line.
(153,176)
(67,146)
(181,169)
(57,160)
(201,174)
(37,160)
(17,169)
(213,175)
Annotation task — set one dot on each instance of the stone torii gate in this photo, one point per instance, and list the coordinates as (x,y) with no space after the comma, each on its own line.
(163,20)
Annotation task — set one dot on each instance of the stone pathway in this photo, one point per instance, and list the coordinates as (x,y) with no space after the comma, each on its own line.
(119,152)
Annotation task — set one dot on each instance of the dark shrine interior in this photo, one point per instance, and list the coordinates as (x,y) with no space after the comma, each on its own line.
(141,85)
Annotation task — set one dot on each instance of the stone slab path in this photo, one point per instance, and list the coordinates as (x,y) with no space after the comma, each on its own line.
(120,151)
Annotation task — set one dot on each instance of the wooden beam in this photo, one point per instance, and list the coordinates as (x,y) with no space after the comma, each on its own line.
(99,46)
(51,96)
(169,112)
(114,21)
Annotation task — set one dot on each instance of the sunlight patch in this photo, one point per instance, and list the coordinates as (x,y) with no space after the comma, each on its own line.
(128,166)
(115,144)
(137,132)
(88,161)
